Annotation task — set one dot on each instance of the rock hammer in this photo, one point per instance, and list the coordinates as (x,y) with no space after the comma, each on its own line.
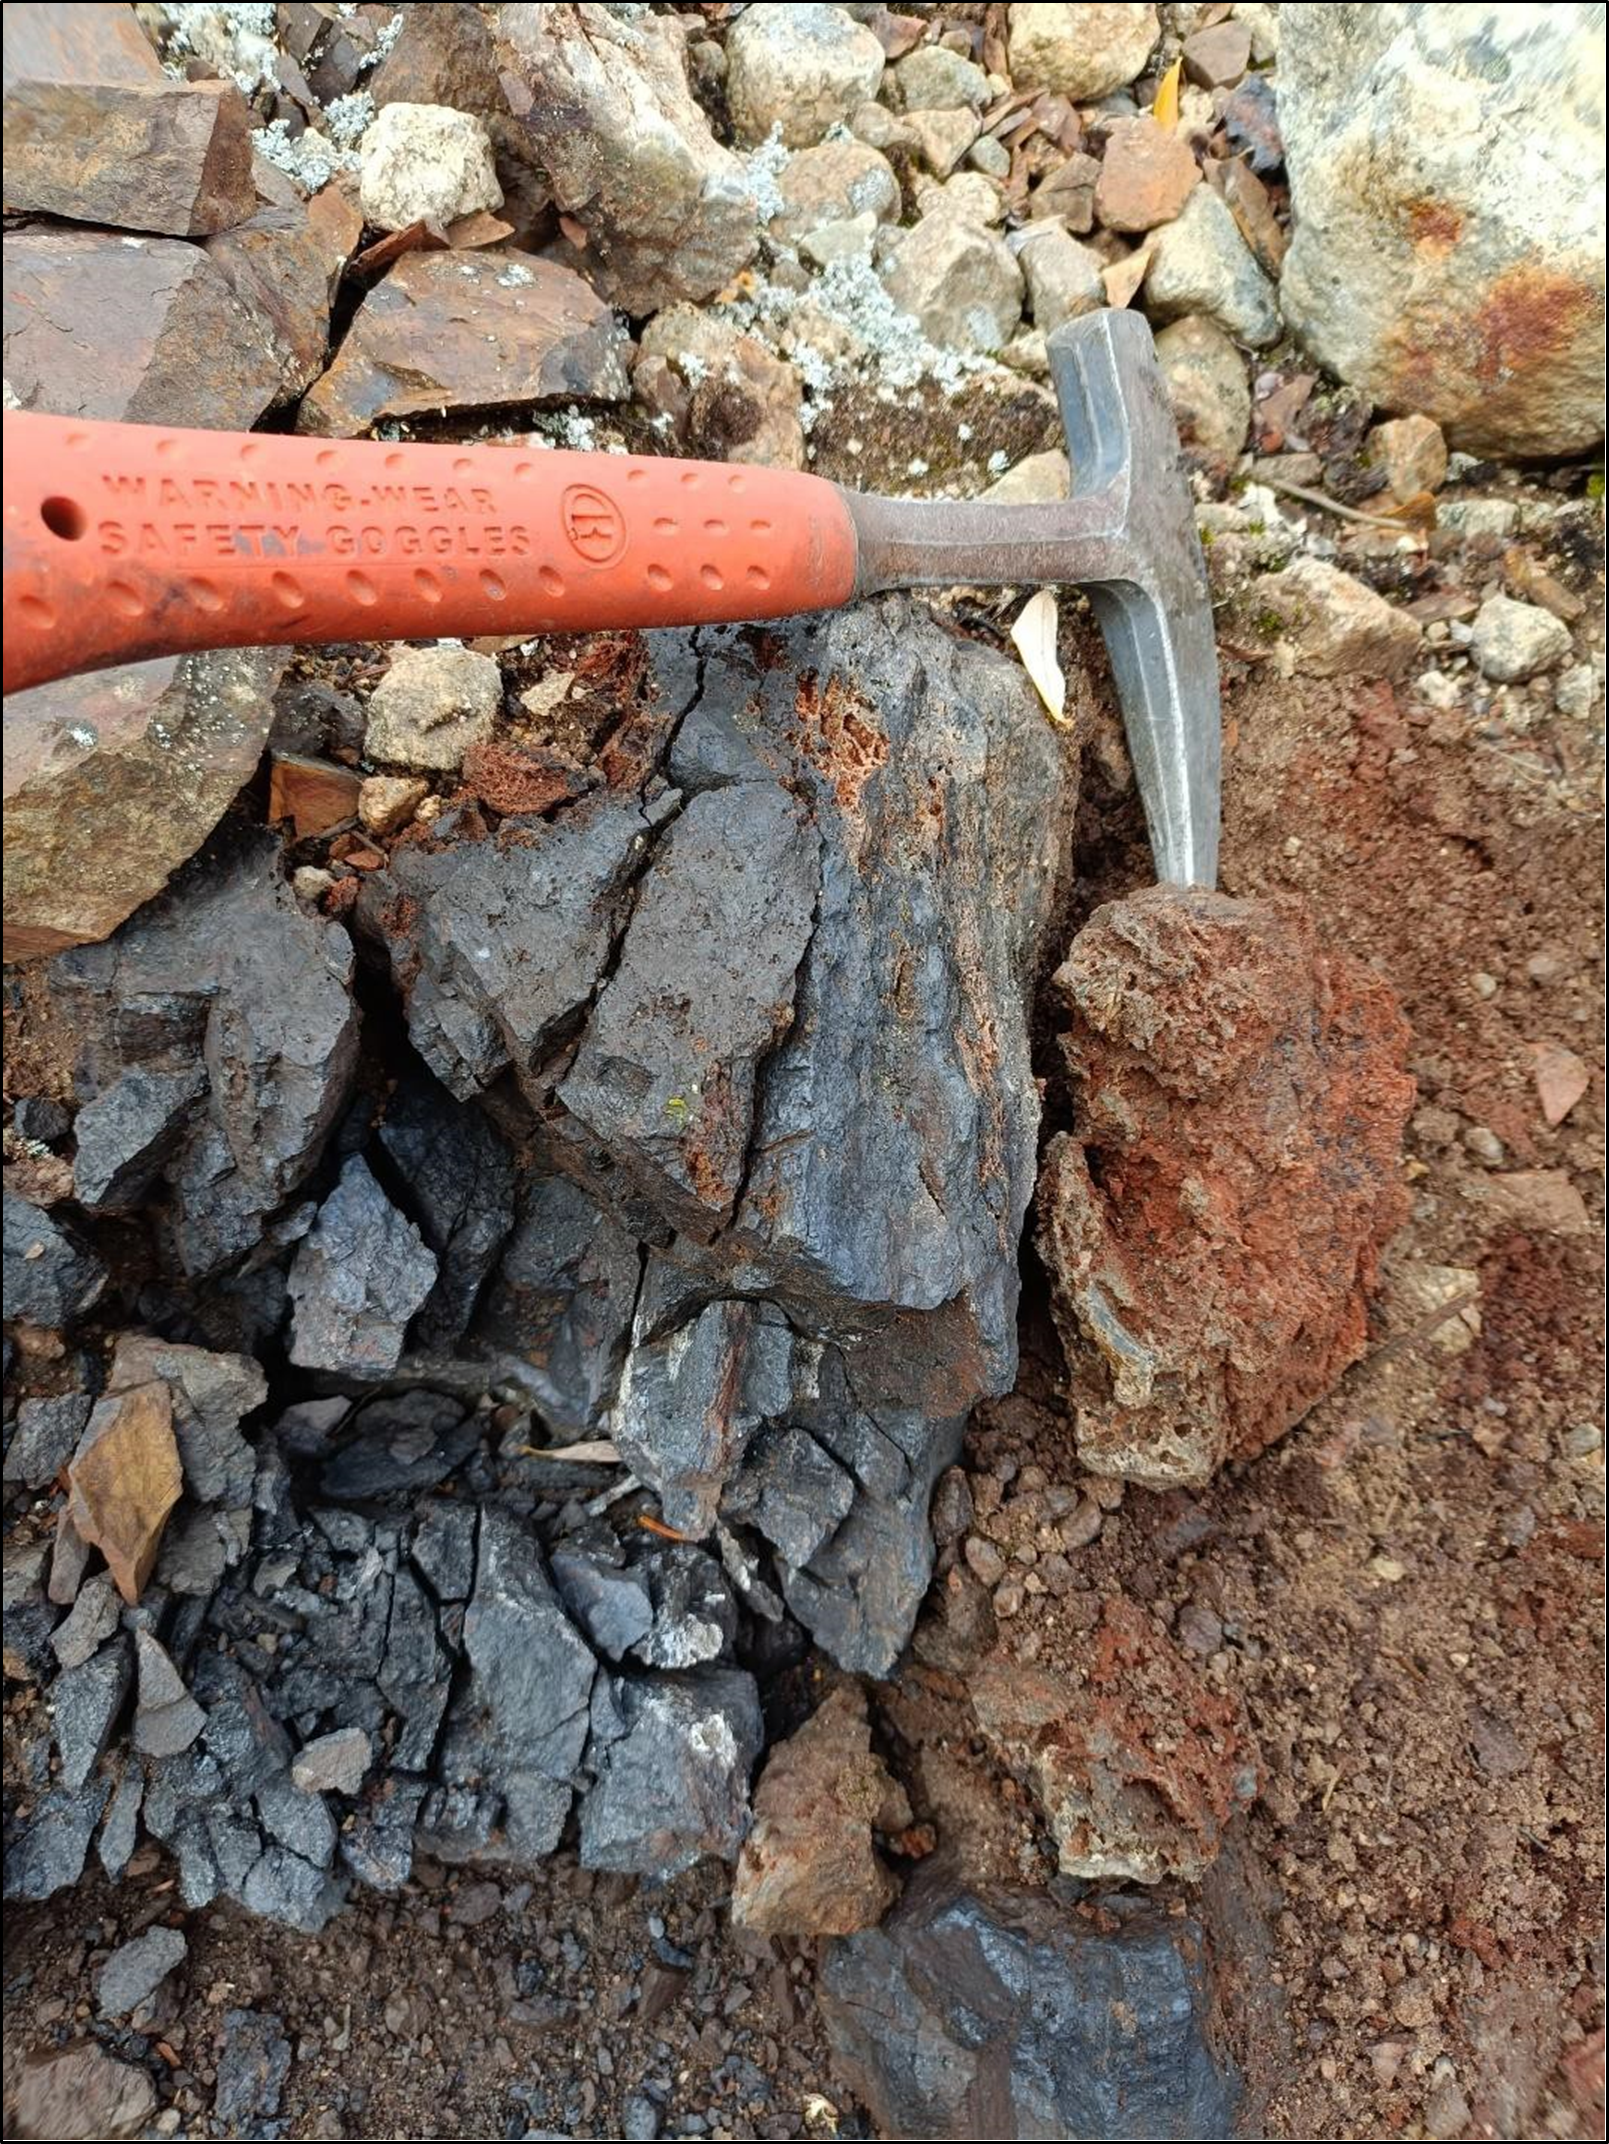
(130,540)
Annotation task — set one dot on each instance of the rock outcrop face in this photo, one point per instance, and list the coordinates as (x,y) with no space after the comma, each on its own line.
(1214,1226)
(1447,168)
(973,2013)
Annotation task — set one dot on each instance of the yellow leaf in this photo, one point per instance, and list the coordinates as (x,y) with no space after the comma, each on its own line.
(1165,111)
(1034,638)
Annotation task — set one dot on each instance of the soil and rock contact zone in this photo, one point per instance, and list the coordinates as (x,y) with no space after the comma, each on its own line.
(709,1432)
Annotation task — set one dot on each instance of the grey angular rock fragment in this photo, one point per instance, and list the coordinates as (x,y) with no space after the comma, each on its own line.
(704,989)
(121,1829)
(51,1277)
(457,1176)
(333,1764)
(90,1621)
(531,1673)
(45,1438)
(996,2012)
(127,1133)
(673,1784)
(499,944)
(252,2069)
(377,1845)
(281,1886)
(357,1278)
(86,1701)
(694,1613)
(211,1394)
(609,1599)
(402,1444)
(795,1493)
(298,1820)
(689,1402)
(561,1301)
(416,1677)
(30,1614)
(444,1548)
(227,966)
(167,1718)
(134,1971)
(49,1853)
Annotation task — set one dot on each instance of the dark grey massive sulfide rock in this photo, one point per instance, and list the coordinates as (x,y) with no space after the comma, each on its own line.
(51,1276)
(226,975)
(455,1175)
(674,1756)
(359,1275)
(996,2013)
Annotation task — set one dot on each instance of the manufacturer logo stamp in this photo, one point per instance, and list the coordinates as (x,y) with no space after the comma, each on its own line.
(594,524)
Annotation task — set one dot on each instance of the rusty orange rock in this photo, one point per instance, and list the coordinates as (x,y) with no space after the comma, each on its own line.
(1213,1228)
(809,1867)
(1138,1763)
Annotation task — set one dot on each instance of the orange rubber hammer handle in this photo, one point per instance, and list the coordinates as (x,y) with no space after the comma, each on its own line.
(130,540)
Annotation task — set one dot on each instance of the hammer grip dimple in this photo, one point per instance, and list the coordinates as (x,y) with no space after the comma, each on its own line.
(126,540)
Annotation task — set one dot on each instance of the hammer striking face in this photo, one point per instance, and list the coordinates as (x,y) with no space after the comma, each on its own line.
(123,541)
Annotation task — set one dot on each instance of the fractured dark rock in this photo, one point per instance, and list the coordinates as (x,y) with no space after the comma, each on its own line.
(51,1277)
(51,1850)
(134,1971)
(561,1301)
(999,2013)
(128,1131)
(86,1701)
(46,1436)
(457,1176)
(673,1775)
(403,1444)
(704,989)
(357,1278)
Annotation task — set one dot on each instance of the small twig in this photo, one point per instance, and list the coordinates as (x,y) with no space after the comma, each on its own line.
(1327,505)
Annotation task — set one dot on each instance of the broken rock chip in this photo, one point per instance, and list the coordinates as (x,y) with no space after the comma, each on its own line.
(51,1277)
(128,1131)
(135,1970)
(186,351)
(211,1393)
(453,330)
(359,1275)
(1336,626)
(1137,1763)
(171,157)
(431,706)
(79,2091)
(124,1479)
(798,71)
(604,113)
(706,980)
(113,780)
(809,1866)
(1214,1228)
(994,2012)
(284,264)
(425,163)
(673,1767)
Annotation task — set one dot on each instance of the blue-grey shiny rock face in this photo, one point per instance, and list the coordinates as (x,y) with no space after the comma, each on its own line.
(995,2013)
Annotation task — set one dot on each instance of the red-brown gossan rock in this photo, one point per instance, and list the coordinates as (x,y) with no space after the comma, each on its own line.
(1136,1760)
(808,1866)
(1214,1225)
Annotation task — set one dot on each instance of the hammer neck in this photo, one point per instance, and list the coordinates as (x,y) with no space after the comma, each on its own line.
(948,543)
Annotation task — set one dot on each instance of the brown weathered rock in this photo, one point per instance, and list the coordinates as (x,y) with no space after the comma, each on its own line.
(1068,193)
(726,394)
(1334,625)
(1146,176)
(387,801)
(1214,1229)
(608,120)
(77,41)
(78,2091)
(808,1866)
(283,264)
(124,1479)
(313,794)
(172,156)
(1138,1764)
(1412,454)
(113,780)
(185,350)
(1216,58)
(443,54)
(468,331)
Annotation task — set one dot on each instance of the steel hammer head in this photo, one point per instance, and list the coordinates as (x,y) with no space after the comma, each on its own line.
(1127,534)
(1149,590)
